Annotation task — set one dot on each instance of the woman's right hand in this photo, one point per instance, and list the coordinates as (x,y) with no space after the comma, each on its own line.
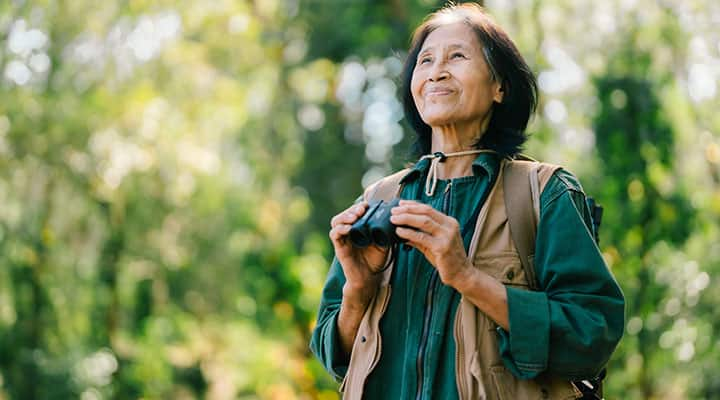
(360,265)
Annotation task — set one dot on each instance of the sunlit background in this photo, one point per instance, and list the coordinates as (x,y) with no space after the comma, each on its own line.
(168,170)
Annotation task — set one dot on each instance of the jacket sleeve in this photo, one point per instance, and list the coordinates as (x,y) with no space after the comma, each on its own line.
(325,340)
(325,343)
(572,325)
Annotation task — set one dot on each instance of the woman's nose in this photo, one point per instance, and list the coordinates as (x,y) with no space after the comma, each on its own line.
(438,72)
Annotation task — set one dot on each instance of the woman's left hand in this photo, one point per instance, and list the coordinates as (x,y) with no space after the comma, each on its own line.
(436,235)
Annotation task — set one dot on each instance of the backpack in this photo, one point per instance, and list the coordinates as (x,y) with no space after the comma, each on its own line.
(522,203)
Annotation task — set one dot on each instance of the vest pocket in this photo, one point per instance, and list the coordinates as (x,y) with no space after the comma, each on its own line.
(504,266)
(504,383)
(508,387)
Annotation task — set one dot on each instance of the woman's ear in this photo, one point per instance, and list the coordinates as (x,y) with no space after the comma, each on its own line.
(498,92)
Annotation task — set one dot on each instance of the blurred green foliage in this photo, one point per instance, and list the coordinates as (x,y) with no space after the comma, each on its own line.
(168,170)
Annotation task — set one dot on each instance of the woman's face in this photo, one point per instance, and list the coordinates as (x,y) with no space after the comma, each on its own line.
(451,82)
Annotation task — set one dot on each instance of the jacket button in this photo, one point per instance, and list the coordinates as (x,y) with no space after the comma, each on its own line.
(362,339)
(510,275)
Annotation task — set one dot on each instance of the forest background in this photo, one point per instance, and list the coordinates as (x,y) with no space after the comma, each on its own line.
(168,170)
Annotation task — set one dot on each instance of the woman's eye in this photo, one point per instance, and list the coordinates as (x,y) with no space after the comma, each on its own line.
(458,55)
(425,60)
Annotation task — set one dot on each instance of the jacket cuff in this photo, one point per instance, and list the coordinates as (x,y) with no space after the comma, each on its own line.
(334,350)
(524,349)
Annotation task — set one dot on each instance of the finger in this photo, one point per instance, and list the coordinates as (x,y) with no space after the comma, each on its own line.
(442,221)
(350,215)
(345,217)
(415,238)
(419,222)
(407,206)
(358,209)
(339,234)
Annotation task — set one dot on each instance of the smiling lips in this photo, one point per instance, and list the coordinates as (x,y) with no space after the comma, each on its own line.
(438,91)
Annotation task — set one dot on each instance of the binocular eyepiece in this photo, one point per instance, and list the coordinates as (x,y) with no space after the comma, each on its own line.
(375,227)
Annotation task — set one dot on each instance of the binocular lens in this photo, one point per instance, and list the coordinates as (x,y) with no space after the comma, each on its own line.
(360,237)
(381,237)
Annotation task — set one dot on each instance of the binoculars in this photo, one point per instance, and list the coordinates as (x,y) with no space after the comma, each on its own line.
(375,227)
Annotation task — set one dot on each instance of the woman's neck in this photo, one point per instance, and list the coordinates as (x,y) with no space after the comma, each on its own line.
(453,139)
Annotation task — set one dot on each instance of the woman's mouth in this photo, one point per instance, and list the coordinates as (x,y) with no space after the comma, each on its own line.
(438,92)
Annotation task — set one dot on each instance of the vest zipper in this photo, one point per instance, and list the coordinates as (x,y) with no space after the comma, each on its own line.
(426,328)
(429,306)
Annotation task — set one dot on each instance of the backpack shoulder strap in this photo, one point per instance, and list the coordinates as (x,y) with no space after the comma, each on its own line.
(386,188)
(523,182)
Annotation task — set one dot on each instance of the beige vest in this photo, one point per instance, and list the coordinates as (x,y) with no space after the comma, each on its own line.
(480,373)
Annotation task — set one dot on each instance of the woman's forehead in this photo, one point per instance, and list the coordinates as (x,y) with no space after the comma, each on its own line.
(455,35)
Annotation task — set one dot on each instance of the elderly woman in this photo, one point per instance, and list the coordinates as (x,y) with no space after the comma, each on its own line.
(449,314)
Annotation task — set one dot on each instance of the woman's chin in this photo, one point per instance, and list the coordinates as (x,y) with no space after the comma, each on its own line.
(440,120)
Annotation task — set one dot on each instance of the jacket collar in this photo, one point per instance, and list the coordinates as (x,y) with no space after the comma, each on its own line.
(485,163)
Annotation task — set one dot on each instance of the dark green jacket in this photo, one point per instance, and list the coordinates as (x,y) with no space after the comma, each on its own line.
(569,328)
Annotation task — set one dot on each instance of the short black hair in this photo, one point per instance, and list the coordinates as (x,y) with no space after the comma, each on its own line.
(506,131)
